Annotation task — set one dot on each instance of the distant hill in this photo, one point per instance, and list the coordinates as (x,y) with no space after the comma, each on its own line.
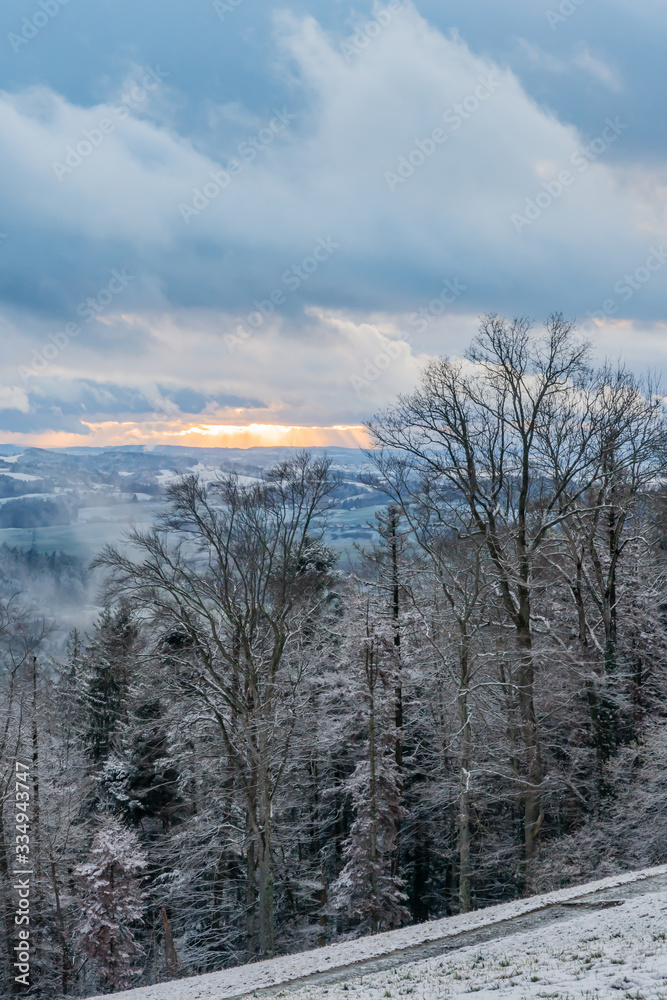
(74,500)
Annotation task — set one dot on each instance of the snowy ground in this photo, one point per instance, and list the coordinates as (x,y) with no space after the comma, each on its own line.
(615,953)
(541,947)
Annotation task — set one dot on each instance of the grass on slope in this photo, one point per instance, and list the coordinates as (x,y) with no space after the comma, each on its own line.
(606,955)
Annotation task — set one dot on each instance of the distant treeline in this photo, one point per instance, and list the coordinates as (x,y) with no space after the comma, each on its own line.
(33,512)
(10,487)
(26,563)
(55,582)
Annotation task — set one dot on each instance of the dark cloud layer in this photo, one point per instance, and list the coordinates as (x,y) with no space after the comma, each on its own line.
(53,404)
(278,165)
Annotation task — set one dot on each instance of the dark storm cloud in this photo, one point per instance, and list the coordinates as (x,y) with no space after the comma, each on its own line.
(512,148)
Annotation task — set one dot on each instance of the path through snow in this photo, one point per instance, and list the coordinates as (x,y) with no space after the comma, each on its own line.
(558,943)
(608,955)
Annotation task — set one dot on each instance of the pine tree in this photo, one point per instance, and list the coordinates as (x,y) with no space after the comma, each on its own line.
(368,888)
(112,904)
(107,674)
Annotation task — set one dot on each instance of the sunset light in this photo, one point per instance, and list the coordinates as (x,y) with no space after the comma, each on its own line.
(172,432)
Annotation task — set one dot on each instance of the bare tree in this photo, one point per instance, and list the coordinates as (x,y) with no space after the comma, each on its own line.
(475,445)
(237,571)
(454,571)
(22,633)
(602,523)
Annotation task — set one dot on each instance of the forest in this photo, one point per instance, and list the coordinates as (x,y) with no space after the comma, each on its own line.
(256,750)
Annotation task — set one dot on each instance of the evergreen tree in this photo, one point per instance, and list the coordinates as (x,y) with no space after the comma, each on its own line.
(368,888)
(107,669)
(112,904)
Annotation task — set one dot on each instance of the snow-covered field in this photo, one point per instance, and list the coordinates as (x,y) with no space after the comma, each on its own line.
(616,952)
(613,953)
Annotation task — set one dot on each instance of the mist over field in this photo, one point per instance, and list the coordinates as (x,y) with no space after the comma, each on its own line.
(58,508)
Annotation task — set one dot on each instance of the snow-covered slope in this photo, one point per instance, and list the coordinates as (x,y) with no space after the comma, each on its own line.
(615,953)
(629,938)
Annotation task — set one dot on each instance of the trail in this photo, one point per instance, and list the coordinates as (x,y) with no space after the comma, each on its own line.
(380,952)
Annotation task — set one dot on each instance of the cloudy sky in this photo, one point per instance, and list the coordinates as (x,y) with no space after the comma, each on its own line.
(250,221)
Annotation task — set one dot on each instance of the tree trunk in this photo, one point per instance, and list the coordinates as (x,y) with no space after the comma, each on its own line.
(603,723)
(265,863)
(465,903)
(170,957)
(395,613)
(266,894)
(65,956)
(251,893)
(322,918)
(398,688)
(533,816)
(373,780)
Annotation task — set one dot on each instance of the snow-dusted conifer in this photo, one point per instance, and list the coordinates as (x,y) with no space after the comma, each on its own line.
(112,904)
(368,888)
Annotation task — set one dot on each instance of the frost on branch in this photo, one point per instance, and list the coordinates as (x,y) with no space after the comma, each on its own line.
(112,904)
(369,888)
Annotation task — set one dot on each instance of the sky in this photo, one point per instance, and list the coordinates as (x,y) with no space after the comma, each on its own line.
(249,222)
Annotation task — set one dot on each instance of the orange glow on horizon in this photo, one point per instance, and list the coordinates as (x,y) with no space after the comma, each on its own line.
(117,433)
